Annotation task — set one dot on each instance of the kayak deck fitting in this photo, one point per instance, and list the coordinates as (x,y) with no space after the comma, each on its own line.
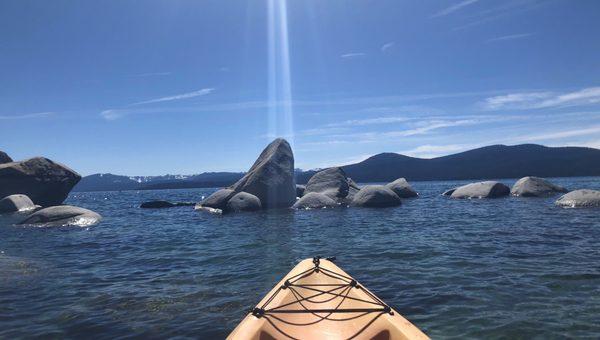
(318,300)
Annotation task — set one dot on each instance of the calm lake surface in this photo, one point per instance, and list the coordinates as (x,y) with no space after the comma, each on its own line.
(510,267)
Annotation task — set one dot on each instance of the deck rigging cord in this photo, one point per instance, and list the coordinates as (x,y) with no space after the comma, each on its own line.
(339,290)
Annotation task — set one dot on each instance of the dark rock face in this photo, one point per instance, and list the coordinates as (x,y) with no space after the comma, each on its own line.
(47,183)
(376,196)
(164,204)
(14,203)
(62,215)
(402,188)
(4,158)
(243,201)
(314,200)
(535,187)
(487,189)
(448,192)
(217,200)
(331,182)
(156,205)
(271,178)
(300,190)
(583,198)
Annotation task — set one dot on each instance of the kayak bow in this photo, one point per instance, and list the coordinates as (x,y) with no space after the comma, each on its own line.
(318,300)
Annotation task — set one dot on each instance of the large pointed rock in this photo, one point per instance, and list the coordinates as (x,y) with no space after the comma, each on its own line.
(47,183)
(271,178)
(487,189)
(62,215)
(535,187)
(4,158)
(331,182)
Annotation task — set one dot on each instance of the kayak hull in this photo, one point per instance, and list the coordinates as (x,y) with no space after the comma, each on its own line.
(318,300)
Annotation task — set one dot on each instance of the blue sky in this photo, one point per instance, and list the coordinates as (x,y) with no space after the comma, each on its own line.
(155,87)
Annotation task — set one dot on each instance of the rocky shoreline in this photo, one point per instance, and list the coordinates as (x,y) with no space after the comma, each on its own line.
(37,187)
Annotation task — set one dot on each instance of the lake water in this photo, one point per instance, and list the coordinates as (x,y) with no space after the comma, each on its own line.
(510,267)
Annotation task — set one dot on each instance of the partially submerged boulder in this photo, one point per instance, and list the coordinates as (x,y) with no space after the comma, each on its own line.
(300,190)
(271,178)
(4,158)
(217,200)
(331,182)
(583,198)
(402,188)
(535,187)
(164,204)
(243,201)
(45,182)
(62,215)
(315,200)
(376,196)
(16,203)
(487,189)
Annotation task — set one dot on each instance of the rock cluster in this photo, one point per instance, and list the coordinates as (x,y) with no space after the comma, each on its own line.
(268,184)
(29,184)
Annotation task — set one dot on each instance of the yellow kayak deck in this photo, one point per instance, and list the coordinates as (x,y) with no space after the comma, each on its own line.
(318,300)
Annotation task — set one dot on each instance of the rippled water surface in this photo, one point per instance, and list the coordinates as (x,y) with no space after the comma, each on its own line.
(510,267)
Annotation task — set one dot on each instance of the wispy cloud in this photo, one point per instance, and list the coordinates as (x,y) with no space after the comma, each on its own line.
(353,55)
(387,46)
(562,134)
(454,8)
(505,8)
(369,121)
(510,37)
(152,74)
(433,151)
(540,100)
(26,116)
(201,92)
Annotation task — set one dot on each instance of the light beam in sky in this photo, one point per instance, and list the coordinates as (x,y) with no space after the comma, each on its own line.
(280,82)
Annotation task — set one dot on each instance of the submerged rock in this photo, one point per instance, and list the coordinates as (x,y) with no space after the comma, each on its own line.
(164,204)
(4,158)
(402,188)
(62,215)
(487,189)
(243,201)
(15,203)
(217,200)
(45,182)
(535,187)
(583,198)
(331,182)
(271,178)
(314,200)
(300,190)
(376,196)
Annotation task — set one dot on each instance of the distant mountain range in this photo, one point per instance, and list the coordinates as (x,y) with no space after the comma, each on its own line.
(495,161)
